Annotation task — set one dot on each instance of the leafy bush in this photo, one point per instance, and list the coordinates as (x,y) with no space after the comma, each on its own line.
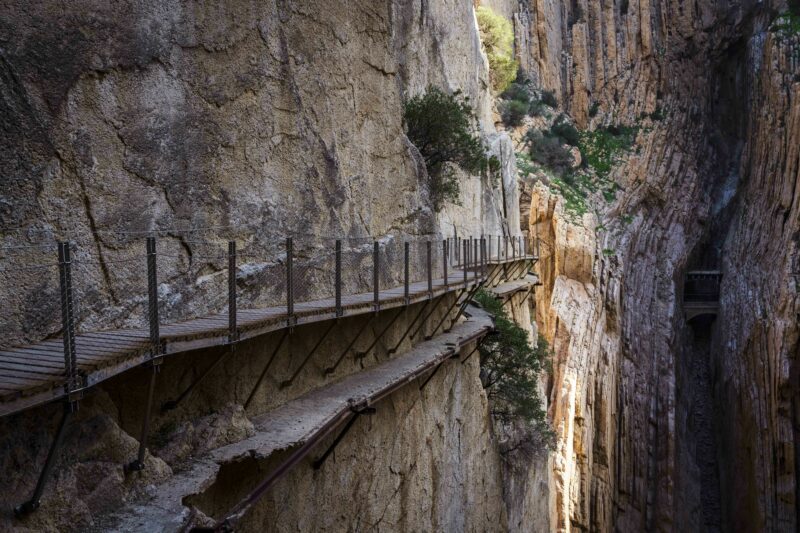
(513,111)
(565,131)
(595,107)
(602,147)
(787,24)
(517,90)
(442,128)
(547,150)
(497,36)
(549,99)
(511,368)
(537,108)
(658,113)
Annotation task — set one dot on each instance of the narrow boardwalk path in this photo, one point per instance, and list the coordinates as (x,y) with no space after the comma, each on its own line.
(33,375)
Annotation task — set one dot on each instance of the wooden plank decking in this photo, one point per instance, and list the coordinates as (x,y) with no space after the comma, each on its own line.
(34,374)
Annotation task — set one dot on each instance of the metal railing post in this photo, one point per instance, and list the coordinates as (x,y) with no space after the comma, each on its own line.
(444,263)
(232,334)
(464,266)
(67,316)
(338,278)
(483,256)
(406,253)
(289,282)
(155,353)
(429,262)
(71,384)
(376,276)
(475,258)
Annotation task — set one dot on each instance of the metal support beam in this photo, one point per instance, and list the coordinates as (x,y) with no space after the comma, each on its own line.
(233,334)
(463,361)
(381,334)
(463,307)
(430,376)
(156,354)
(169,405)
(72,384)
(413,322)
(445,316)
(332,369)
(424,320)
(266,368)
(365,411)
(289,381)
(33,503)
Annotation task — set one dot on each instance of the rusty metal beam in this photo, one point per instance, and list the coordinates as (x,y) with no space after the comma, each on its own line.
(266,368)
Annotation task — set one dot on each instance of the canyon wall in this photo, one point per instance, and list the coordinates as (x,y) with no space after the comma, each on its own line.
(663,425)
(248,121)
(201,122)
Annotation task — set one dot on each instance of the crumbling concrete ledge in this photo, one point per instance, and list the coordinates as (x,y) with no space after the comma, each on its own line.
(509,288)
(302,423)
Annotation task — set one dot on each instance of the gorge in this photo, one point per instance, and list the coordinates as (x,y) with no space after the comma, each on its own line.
(636,208)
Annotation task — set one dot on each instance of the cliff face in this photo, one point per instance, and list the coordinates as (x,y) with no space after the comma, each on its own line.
(249,121)
(223,120)
(664,425)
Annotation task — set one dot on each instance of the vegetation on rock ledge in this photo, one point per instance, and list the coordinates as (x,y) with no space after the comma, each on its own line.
(443,128)
(510,370)
(497,36)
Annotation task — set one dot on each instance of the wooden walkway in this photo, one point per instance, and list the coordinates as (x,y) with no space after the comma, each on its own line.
(34,374)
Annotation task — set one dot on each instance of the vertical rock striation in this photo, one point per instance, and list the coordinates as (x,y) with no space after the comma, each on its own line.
(715,180)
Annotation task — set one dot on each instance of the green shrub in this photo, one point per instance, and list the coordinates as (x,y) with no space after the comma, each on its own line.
(513,111)
(497,36)
(595,107)
(658,114)
(787,24)
(511,368)
(565,131)
(602,147)
(537,108)
(549,99)
(442,128)
(548,151)
(517,91)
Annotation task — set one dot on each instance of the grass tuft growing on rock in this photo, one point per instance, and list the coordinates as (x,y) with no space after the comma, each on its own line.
(443,128)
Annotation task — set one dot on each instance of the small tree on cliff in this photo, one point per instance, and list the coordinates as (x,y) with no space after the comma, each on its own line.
(442,126)
(497,36)
(510,370)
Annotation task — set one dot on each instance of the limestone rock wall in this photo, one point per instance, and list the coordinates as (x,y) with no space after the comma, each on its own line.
(715,178)
(245,120)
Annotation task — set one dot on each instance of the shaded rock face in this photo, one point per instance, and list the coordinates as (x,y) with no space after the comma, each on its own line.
(664,425)
(249,120)
(425,461)
(89,478)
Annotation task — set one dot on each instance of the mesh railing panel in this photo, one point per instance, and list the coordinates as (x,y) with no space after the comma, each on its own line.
(110,279)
